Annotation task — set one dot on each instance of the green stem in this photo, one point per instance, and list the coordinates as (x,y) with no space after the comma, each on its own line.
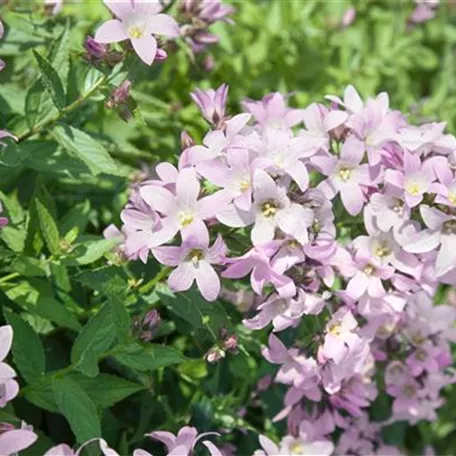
(158,278)
(67,109)
(8,277)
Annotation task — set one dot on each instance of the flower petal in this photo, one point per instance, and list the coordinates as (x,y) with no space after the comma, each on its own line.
(14,441)
(111,31)
(163,24)
(182,277)
(207,280)
(146,48)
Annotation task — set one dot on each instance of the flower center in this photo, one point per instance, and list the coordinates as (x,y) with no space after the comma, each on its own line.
(382,251)
(421,355)
(278,160)
(297,449)
(186,217)
(335,329)
(135,32)
(369,270)
(316,226)
(449,227)
(345,174)
(244,184)
(195,255)
(413,189)
(418,339)
(398,207)
(452,198)
(409,390)
(269,209)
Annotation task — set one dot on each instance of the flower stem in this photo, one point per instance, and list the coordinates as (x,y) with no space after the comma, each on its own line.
(8,277)
(66,110)
(158,278)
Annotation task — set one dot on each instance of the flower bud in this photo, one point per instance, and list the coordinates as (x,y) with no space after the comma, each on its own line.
(231,343)
(214,355)
(186,140)
(152,319)
(6,427)
(348,17)
(121,94)
(161,55)
(95,49)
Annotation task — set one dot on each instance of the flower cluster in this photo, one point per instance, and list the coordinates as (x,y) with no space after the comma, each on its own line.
(344,212)
(12,440)
(181,444)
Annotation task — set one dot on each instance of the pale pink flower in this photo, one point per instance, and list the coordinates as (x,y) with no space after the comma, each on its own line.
(65,450)
(376,125)
(271,209)
(235,176)
(184,442)
(8,386)
(319,121)
(346,175)
(441,231)
(14,440)
(414,180)
(282,154)
(212,104)
(216,143)
(352,102)
(194,260)
(182,210)
(272,111)
(425,139)
(257,263)
(137,21)
(368,278)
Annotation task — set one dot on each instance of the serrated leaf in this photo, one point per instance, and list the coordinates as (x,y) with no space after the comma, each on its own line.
(109,280)
(55,311)
(96,337)
(86,148)
(28,267)
(42,396)
(91,251)
(106,390)
(209,316)
(51,81)
(121,317)
(28,351)
(48,225)
(78,409)
(60,54)
(148,358)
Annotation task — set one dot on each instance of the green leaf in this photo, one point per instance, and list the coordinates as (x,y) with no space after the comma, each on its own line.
(78,409)
(60,54)
(29,267)
(42,396)
(55,311)
(96,337)
(51,81)
(35,100)
(106,390)
(28,351)
(148,358)
(121,317)
(91,251)
(209,316)
(90,151)
(109,280)
(48,224)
